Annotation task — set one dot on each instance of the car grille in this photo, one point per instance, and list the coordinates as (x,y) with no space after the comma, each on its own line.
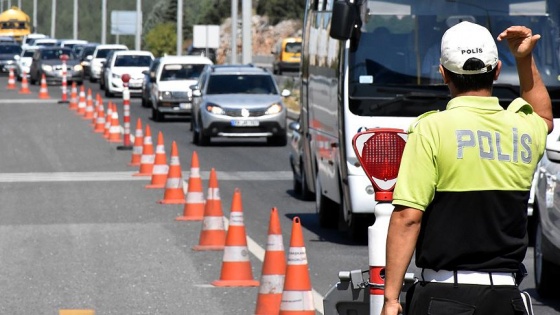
(257,112)
(180,94)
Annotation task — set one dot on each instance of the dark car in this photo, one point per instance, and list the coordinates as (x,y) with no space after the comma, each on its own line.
(8,52)
(147,83)
(85,53)
(546,213)
(47,61)
(210,53)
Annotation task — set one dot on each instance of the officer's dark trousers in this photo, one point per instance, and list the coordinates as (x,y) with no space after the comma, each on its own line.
(463,299)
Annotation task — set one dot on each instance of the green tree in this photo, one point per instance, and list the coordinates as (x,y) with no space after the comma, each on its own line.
(162,39)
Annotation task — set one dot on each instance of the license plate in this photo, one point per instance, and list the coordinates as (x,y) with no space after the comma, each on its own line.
(185,105)
(244,123)
(135,84)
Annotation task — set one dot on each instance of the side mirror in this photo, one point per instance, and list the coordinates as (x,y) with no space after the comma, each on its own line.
(343,20)
(286,93)
(17,57)
(294,126)
(195,91)
(90,58)
(145,72)
(553,155)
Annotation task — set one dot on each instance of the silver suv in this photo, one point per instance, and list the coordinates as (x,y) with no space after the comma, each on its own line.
(238,101)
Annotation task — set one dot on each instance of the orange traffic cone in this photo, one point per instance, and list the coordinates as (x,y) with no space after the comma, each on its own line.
(24,85)
(96,108)
(89,113)
(81,101)
(100,120)
(108,118)
(137,147)
(43,91)
(159,172)
(273,270)
(115,129)
(12,80)
(148,156)
(73,97)
(297,295)
(236,266)
(194,206)
(174,193)
(213,232)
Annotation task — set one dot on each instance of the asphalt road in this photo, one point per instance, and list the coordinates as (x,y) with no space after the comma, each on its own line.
(78,231)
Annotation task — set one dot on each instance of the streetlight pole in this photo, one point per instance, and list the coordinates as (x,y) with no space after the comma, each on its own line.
(75,19)
(53,19)
(103,21)
(34,15)
(234,10)
(179,27)
(247,41)
(138,24)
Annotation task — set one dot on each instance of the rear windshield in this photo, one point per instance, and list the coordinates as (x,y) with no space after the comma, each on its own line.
(241,84)
(133,61)
(102,53)
(172,72)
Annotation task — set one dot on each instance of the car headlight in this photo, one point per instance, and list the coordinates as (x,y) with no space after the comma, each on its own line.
(215,109)
(46,68)
(273,109)
(78,68)
(115,76)
(165,95)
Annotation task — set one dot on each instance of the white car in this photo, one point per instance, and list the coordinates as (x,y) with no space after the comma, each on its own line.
(170,85)
(98,58)
(23,61)
(28,39)
(131,62)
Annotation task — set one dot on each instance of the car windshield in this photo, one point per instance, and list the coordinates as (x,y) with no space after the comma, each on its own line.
(48,54)
(241,84)
(28,53)
(172,72)
(10,49)
(102,53)
(133,61)
(293,48)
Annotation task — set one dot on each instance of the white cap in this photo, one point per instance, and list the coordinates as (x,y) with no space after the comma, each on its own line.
(468,40)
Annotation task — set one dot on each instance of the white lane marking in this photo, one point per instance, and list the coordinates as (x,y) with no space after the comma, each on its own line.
(27,101)
(127,176)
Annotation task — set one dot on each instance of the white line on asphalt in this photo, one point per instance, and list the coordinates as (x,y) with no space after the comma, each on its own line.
(28,101)
(128,176)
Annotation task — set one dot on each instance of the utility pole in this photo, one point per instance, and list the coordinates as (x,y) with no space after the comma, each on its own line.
(53,19)
(138,24)
(103,21)
(75,24)
(179,27)
(247,41)
(234,14)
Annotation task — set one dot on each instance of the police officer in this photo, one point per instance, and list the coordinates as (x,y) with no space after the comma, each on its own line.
(461,195)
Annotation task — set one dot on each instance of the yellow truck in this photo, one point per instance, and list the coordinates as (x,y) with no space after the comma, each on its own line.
(287,55)
(15,23)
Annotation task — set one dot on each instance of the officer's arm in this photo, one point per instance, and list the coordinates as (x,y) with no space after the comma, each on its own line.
(521,42)
(401,241)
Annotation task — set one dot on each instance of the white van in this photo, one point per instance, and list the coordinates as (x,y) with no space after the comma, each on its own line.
(99,56)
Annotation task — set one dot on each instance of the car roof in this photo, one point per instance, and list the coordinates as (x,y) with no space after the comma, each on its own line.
(230,69)
(111,46)
(185,59)
(133,52)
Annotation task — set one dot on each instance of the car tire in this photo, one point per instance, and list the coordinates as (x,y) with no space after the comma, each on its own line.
(194,134)
(156,115)
(203,140)
(278,141)
(305,194)
(546,273)
(326,209)
(108,93)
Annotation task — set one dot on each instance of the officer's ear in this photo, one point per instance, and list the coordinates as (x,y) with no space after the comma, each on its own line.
(498,69)
(443,75)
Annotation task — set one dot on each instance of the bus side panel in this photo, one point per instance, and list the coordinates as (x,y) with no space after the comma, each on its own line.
(323,106)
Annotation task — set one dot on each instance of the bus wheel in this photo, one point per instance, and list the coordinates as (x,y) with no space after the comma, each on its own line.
(325,208)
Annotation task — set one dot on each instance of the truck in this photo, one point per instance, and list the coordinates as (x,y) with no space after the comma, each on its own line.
(372,64)
(15,23)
